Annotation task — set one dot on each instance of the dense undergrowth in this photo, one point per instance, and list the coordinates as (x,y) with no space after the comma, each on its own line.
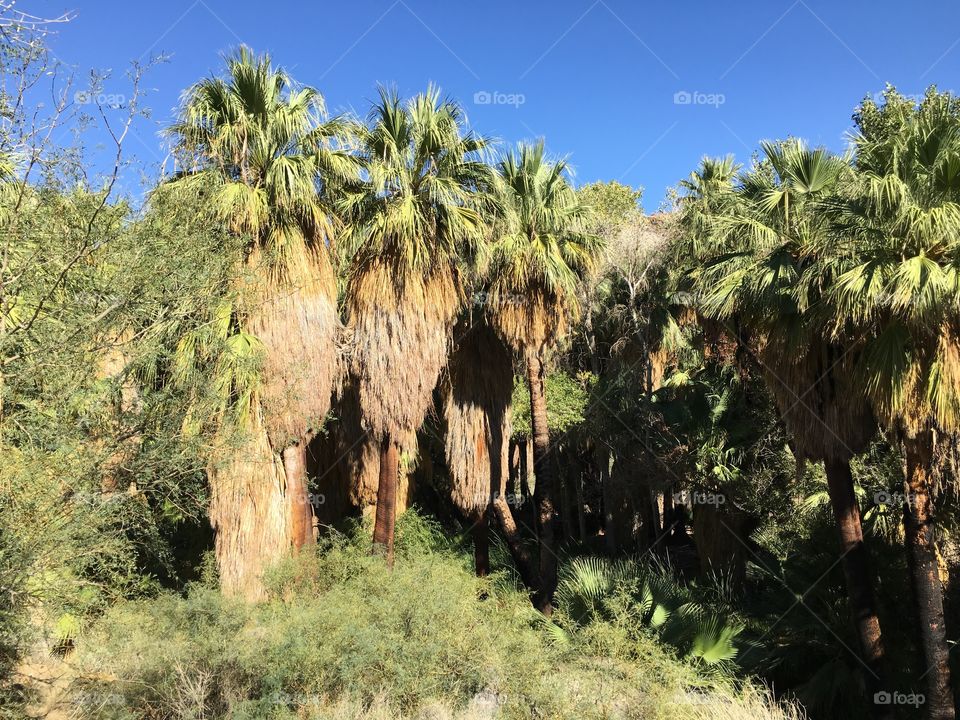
(344,637)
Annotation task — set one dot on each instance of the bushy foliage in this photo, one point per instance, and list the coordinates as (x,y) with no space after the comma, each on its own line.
(643,601)
(341,631)
(108,484)
(567,400)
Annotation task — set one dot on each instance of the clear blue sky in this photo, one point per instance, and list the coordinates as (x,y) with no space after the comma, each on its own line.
(598,79)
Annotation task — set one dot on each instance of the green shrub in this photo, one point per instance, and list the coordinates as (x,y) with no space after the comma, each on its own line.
(344,637)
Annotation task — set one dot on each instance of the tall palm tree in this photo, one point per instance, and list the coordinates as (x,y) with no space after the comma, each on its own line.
(267,156)
(539,254)
(758,271)
(416,215)
(899,288)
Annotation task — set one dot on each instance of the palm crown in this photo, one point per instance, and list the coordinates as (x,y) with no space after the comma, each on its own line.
(541,249)
(899,260)
(269,152)
(420,203)
(763,269)
(263,149)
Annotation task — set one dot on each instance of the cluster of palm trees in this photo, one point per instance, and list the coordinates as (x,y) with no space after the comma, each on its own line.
(411,211)
(366,243)
(839,276)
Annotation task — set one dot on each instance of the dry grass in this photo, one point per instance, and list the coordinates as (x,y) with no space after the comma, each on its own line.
(750,705)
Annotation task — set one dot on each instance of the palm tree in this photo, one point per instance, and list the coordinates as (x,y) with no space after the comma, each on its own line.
(416,215)
(539,255)
(899,289)
(267,156)
(759,242)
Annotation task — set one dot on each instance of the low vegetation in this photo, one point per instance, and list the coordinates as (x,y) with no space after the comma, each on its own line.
(430,639)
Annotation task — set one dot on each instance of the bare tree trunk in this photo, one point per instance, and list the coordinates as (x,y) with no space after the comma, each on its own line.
(856,569)
(513,477)
(656,526)
(500,504)
(530,476)
(577,468)
(523,485)
(927,590)
(720,534)
(298,495)
(544,494)
(566,526)
(645,510)
(386,519)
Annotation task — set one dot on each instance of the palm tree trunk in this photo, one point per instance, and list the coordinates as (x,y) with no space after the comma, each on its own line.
(386,518)
(513,478)
(524,469)
(928,592)
(566,526)
(577,467)
(657,522)
(250,514)
(856,569)
(545,485)
(298,496)
(481,544)
(645,509)
(521,558)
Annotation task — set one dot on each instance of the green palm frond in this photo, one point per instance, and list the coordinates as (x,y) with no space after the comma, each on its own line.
(542,248)
(271,152)
(425,189)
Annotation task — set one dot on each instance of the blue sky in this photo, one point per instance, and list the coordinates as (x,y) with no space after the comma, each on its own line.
(629,91)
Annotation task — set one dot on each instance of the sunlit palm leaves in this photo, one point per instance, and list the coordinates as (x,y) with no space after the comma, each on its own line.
(540,251)
(271,154)
(596,589)
(420,206)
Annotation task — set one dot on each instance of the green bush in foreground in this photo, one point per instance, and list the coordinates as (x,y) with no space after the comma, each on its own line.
(343,637)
